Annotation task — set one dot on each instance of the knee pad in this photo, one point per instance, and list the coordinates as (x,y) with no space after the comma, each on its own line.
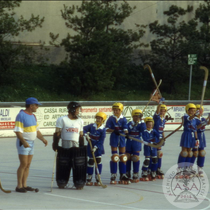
(154,160)
(115,158)
(123,158)
(128,156)
(202,153)
(90,162)
(184,153)
(98,160)
(191,153)
(146,162)
(135,158)
(160,154)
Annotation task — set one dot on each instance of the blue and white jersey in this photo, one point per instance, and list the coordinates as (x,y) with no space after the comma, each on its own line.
(150,135)
(97,135)
(200,132)
(119,124)
(198,122)
(189,125)
(136,129)
(188,135)
(159,124)
(27,125)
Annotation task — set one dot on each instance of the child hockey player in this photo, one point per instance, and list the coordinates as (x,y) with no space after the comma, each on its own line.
(133,148)
(152,136)
(159,125)
(198,151)
(97,134)
(117,124)
(188,141)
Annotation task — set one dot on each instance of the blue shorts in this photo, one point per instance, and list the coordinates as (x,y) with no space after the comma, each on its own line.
(25,151)
(97,152)
(150,151)
(187,139)
(118,141)
(132,146)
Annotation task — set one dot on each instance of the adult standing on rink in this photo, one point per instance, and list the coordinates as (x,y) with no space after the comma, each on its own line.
(72,153)
(26,130)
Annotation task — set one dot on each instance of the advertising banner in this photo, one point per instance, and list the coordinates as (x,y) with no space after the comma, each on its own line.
(47,116)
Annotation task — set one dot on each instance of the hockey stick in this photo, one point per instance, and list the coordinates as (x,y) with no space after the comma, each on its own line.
(173,132)
(152,95)
(53,170)
(204,83)
(94,158)
(153,77)
(146,143)
(5,191)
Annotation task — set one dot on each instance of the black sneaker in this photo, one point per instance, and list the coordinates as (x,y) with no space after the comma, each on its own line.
(21,190)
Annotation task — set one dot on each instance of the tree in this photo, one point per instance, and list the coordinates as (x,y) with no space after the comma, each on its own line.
(170,49)
(202,14)
(100,53)
(10,26)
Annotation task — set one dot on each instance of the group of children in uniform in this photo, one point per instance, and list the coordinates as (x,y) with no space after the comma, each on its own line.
(151,130)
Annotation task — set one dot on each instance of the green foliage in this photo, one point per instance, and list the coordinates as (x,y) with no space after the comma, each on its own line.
(12,55)
(171,47)
(100,53)
(202,14)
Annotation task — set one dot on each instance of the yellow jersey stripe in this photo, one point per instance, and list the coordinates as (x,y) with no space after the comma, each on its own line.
(30,129)
(19,124)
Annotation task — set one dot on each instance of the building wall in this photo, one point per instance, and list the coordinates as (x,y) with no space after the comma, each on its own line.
(145,13)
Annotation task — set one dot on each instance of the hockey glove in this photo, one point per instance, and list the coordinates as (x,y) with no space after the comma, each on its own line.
(161,101)
(94,149)
(197,142)
(117,132)
(56,139)
(126,136)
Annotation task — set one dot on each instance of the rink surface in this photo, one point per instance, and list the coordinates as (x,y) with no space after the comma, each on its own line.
(142,195)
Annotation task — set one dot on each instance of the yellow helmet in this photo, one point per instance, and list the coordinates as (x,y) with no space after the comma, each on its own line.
(136,112)
(163,106)
(117,106)
(198,106)
(190,106)
(102,115)
(148,119)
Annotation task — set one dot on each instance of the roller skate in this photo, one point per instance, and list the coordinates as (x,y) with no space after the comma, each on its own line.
(179,174)
(89,183)
(159,174)
(113,179)
(187,173)
(128,174)
(153,176)
(144,176)
(124,179)
(97,183)
(135,178)
(193,171)
(149,174)
(200,172)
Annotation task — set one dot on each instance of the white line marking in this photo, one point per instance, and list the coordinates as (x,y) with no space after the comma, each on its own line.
(109,204)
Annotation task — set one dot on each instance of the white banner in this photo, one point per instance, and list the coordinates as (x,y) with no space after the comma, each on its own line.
(47,116)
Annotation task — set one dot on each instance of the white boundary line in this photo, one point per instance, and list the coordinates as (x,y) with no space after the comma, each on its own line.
(108,204)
